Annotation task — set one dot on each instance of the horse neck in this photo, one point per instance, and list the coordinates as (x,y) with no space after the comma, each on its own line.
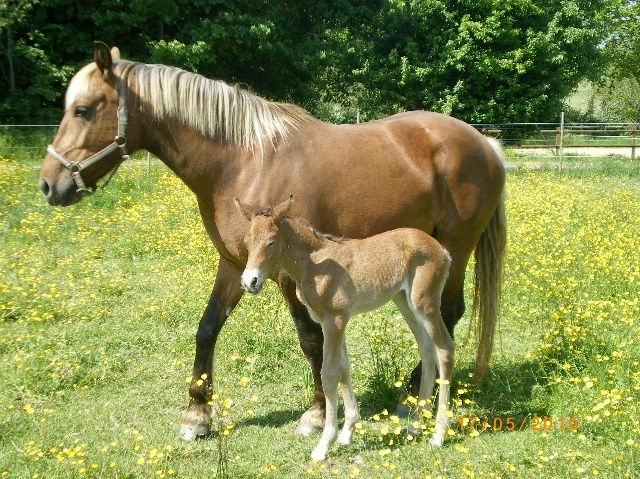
(300,243)
(200,162)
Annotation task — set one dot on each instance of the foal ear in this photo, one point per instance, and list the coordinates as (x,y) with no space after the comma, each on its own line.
(283,208)
(115,53)
(244,209)
(102,57)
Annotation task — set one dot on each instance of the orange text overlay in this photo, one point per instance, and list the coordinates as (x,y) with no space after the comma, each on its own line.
(534,423)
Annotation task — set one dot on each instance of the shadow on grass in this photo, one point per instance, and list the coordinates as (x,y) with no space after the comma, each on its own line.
(273,419)
(509,391)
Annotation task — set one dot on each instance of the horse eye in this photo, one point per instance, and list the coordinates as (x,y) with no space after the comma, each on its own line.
(81,111)
(271,244)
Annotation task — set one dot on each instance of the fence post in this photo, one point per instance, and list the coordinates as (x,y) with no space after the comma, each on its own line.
(561,138)
(634,129)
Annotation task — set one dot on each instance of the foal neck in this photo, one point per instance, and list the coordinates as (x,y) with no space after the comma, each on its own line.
(301,235)
(300,242)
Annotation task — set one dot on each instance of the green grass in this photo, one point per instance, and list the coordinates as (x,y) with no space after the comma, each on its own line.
(99,306)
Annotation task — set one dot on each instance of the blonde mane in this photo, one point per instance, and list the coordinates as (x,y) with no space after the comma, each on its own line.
(212,107)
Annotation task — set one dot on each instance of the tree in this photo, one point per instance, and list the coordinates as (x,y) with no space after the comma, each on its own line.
(11,13)
(481,61)
(622,47)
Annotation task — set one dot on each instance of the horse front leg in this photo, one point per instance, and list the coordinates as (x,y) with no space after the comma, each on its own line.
(224,297)
(311,338)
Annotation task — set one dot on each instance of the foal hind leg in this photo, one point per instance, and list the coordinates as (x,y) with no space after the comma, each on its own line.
(425,347)
(351,414)
(425,302)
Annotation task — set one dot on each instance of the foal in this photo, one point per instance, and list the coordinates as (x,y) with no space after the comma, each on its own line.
(337,279)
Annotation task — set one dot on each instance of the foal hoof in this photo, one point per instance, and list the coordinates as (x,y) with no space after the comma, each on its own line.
(191,432)
(436,441)
(318,455)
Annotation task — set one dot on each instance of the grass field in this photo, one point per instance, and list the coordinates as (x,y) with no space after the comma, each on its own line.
(99,305)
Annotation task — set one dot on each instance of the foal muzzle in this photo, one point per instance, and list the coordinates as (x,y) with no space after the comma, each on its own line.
(252,281)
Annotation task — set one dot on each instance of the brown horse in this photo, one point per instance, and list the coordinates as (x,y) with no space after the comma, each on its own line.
(337,279)
(417,169)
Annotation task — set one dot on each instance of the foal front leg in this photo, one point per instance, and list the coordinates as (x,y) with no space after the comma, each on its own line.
(332,347)
(311,339)
(224,297)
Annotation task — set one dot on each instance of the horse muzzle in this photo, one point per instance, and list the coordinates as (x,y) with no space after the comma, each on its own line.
(252,281)
(61,192)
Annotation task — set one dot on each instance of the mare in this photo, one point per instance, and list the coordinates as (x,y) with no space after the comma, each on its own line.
(416,169)
(337,279)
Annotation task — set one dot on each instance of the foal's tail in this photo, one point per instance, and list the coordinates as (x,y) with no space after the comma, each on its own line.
(489,257)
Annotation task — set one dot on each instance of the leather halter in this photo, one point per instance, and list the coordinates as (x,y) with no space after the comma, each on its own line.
(119,143)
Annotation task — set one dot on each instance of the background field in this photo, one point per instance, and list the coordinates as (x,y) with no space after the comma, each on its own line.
(99,305)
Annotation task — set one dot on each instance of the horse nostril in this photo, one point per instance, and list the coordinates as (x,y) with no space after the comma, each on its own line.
(45,188)
(254,282)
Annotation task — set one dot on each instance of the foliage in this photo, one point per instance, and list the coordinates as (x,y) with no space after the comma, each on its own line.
(480,61)
(618,101)
(98,311)
(622,46)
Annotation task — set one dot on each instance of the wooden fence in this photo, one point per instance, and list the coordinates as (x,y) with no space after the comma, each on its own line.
(557,137)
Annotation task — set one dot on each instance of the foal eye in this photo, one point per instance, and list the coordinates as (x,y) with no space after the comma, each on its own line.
(271,244)
(81,111)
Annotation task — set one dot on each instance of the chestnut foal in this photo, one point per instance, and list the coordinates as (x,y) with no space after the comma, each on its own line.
(337,279)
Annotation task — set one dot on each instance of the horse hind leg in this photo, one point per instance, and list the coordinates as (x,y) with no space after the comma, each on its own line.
(351,413)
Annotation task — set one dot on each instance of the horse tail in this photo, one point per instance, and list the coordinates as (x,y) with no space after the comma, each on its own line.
(489,265)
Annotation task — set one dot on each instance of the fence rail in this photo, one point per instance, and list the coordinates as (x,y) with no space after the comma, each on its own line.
(555,138)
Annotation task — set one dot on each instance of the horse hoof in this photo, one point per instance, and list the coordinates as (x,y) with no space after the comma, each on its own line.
(191,432)
(311,421)
(402,410)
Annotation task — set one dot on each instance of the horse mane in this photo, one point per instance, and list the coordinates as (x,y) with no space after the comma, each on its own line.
(212,107)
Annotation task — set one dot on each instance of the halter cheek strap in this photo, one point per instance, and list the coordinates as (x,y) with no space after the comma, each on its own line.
(119,143)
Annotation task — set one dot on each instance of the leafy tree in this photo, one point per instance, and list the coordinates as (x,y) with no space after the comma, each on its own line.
(622,47)
(481,60)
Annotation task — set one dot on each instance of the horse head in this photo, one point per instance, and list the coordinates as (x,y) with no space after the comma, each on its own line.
(84,149)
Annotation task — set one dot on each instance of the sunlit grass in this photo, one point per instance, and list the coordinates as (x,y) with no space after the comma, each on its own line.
(99,305)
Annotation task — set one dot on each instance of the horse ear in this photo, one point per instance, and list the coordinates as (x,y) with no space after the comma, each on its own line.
(115,53)
(102,57)
(244,209)
(283,208)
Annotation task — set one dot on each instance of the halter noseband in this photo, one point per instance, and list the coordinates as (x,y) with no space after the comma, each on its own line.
(119,143)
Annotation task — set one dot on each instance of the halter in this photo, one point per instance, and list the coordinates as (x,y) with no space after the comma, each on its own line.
(119,143)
